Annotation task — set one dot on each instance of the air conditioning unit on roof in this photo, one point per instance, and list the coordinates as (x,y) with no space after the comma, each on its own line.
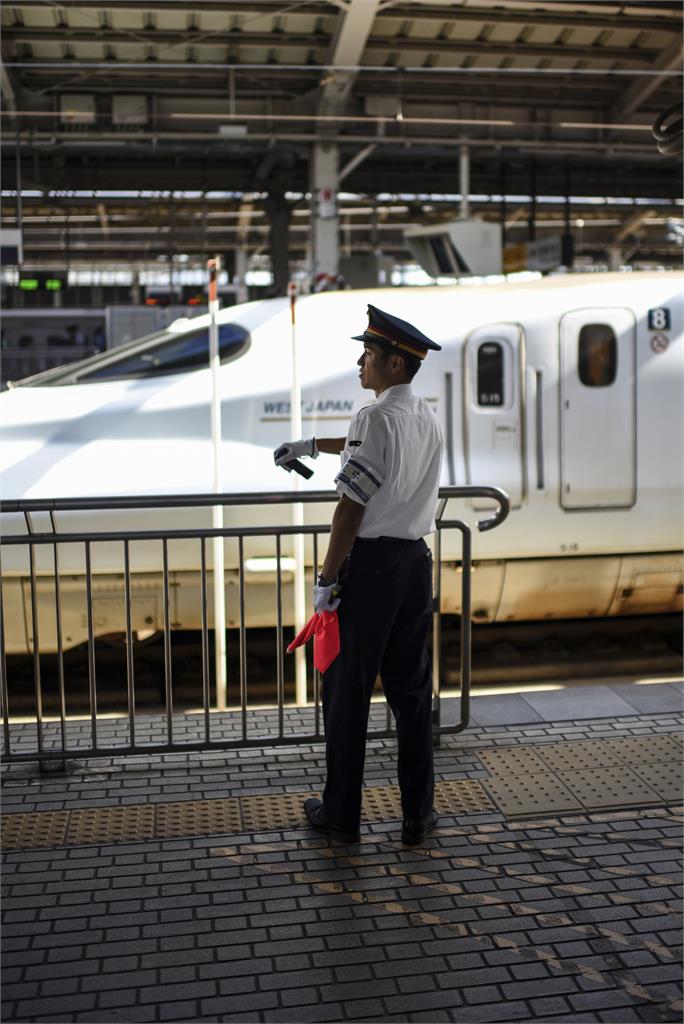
(129,110)
(77,108)
(457,248)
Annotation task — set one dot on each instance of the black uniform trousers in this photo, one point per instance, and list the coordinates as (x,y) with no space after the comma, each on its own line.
(384,618)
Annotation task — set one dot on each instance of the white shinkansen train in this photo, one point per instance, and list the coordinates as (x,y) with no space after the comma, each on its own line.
(565,392)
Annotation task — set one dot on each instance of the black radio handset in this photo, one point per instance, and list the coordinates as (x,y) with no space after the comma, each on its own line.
(295,464)
(300,468)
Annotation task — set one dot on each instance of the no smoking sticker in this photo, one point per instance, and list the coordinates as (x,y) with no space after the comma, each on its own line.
(660,342)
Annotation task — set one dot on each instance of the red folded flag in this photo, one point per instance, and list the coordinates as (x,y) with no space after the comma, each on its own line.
(324,627)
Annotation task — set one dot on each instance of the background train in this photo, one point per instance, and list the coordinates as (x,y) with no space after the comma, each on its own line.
(565,392)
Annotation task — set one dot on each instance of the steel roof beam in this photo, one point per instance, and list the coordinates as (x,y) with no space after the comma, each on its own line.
(357,159)
(640,91)
(119,141)
(595,17)
(426,88)
(348,51)
(351,41)
(598,16)
(7,88)
(633,223)
(369,70)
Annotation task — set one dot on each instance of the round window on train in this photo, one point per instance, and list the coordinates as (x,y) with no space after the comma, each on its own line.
(597,355)
(178,353)
(490,374)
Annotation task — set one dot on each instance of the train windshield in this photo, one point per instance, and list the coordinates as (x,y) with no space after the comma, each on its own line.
(176,354)
(156,355)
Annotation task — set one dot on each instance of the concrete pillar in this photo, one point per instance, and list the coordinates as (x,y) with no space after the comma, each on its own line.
(240,274)
(614,257)
(325,243)
(278,212)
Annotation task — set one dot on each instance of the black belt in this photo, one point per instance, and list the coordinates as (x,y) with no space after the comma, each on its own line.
(387,540)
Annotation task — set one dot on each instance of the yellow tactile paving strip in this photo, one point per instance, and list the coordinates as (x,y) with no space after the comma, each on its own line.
(551,778)
(233,815)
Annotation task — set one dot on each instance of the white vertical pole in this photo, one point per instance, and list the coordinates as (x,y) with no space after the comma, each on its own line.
(464,180)
(214,267)
(325,224)
(298,509)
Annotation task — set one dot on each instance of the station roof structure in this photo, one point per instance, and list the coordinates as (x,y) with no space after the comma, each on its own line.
(137,130)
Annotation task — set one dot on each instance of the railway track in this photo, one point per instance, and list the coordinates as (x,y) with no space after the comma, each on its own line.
(508,655)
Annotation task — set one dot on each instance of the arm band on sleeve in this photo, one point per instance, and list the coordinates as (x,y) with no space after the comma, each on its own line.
(357,481)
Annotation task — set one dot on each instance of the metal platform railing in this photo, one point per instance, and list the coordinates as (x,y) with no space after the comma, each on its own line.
(38,737)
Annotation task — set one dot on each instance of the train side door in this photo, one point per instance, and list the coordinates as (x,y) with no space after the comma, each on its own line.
(598,408)
(493,428)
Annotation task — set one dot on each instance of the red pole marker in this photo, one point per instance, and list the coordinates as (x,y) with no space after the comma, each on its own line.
(292,292)
(213,266)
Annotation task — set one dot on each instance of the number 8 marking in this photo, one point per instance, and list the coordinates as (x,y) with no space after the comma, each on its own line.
(659,319)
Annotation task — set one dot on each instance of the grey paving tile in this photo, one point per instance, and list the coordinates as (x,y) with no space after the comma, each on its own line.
(609,787)
(503,709)
(578,702)
(654,697)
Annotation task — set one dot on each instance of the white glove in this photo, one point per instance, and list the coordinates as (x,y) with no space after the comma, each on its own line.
(294,450)
(327,596)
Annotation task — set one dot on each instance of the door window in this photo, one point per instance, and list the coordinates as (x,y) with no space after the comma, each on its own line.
(598,408)
(490,374)
(597,355)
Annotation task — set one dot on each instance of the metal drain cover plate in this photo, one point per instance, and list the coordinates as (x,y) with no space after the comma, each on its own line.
(576,756)
(540,793)
(511,761)
(666,779)
(610,787)
(645,749)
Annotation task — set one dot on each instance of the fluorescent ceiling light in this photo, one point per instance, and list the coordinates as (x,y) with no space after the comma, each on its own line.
(606,124)
(341,118)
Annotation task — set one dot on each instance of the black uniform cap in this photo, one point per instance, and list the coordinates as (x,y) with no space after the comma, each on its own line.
(383,327)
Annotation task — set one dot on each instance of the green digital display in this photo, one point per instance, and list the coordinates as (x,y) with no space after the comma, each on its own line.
(42,282)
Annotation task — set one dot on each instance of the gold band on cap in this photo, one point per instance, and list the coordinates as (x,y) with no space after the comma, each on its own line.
(396,341)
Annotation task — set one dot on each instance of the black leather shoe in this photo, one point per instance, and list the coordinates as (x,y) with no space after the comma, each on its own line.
(317,817)
(414,830)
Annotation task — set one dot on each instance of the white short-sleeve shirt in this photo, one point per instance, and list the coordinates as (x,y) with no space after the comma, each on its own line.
(391,463)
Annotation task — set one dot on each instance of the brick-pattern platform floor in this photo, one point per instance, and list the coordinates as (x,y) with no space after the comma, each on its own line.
(498,916)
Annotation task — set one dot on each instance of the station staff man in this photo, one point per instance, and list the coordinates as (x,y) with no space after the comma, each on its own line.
(378,570)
